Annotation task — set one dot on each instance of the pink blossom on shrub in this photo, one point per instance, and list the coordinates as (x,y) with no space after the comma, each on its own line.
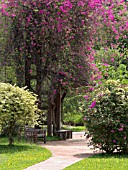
(122,125)
(91,89)
(120,129)
(114,141)
(93,104)
(112,59)
(86,97)
(85,118)
(112,131)
(105,64)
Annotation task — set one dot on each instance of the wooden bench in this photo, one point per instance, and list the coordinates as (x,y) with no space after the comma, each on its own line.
(33,134)
(64,134)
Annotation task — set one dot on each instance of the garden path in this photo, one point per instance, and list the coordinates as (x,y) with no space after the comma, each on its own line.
(64,153)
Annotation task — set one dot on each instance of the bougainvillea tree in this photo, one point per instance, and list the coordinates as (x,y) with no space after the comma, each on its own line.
(58,37)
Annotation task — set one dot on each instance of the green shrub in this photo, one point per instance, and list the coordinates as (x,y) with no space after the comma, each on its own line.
(17,106)
(107,119)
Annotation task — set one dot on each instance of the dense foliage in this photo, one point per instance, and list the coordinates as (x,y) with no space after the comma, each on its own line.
(17,107)
(107,118)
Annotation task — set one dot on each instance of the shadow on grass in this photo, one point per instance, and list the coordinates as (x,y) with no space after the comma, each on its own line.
(114,155)
(101,155)
(84,155)
(14,148)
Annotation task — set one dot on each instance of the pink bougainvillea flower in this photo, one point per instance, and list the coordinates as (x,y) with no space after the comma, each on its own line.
(54,91)
(30,71)
(62,9)
(41,11)
(93,104)
(80,3)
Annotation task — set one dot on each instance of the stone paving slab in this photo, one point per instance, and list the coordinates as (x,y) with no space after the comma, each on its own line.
(64,153)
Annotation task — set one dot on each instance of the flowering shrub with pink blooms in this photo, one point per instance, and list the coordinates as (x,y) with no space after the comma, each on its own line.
(107,119)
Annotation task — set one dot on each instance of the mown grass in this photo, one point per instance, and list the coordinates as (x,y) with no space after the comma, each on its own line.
(74,128)
(21,155)
(102,162)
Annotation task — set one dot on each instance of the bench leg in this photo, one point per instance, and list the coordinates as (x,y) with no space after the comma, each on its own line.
(44,139)
(69,134)
(63,136)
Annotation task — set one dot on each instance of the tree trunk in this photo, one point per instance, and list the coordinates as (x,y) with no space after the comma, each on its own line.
(11,129)
(54,120)
(49,120)
(27,72)
(11,141)
(58,111)
(62,99)
(38,64)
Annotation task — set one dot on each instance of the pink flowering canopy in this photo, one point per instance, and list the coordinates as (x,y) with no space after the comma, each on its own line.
(62,34)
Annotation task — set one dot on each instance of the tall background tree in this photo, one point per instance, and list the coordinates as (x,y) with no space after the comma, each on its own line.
(51,44)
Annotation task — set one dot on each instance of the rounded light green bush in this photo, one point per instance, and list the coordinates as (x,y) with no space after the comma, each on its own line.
(17,106)
(107,120)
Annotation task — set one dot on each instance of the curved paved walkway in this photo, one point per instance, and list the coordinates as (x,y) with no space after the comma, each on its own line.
(64,153)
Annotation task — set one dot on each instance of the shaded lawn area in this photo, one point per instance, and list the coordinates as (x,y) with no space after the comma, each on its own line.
(102,162)
(21,155)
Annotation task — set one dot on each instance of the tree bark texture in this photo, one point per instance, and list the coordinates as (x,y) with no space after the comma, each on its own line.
(58,110)
(49,120)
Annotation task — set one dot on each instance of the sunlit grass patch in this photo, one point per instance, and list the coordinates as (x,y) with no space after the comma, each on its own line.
(102,162)
(21,155)
(74,128)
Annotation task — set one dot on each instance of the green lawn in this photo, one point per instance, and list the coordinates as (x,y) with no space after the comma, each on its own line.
(102,162)
(21,155)
(74,128)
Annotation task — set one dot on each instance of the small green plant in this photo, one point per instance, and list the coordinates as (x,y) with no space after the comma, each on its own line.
(107,119)
(17,107)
